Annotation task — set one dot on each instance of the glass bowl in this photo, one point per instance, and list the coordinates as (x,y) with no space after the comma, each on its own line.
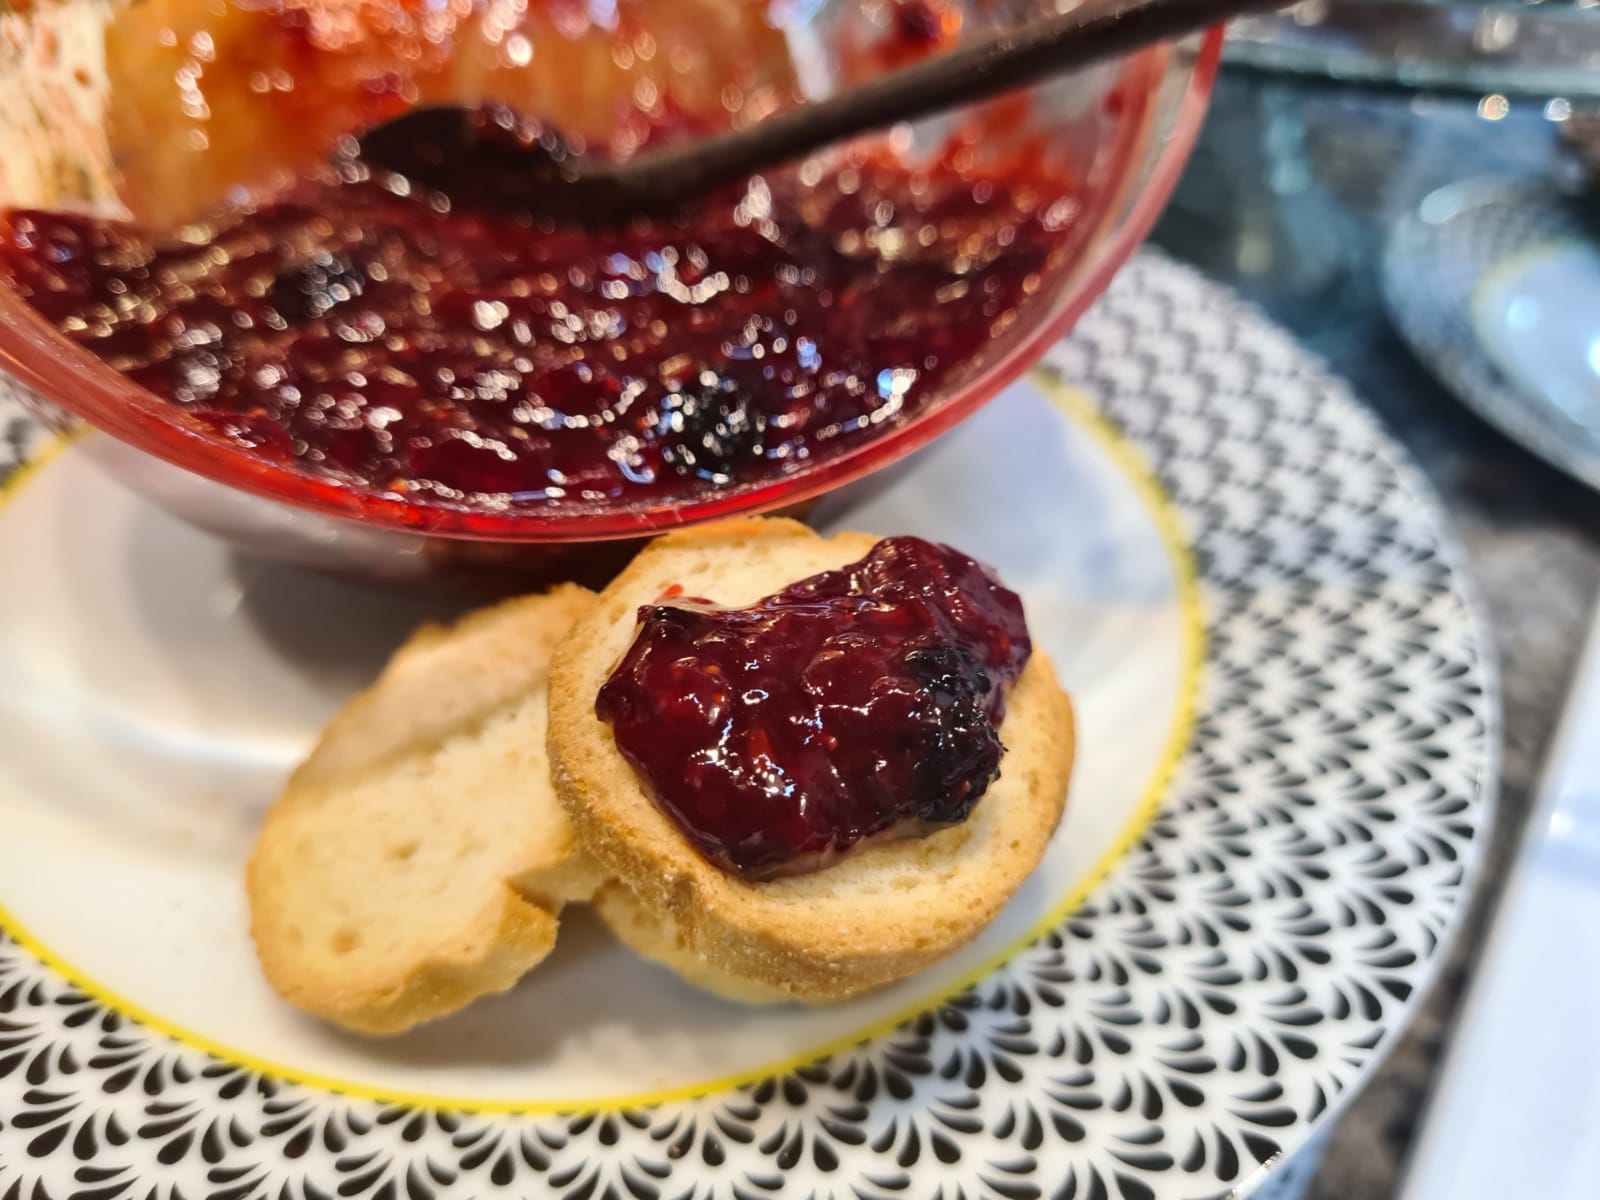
(1127,126)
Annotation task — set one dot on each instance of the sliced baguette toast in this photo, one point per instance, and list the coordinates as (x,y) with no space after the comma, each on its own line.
(884,912)
(655,936)
(419,858)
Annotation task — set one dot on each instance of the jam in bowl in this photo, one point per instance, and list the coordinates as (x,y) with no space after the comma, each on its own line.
(368,368)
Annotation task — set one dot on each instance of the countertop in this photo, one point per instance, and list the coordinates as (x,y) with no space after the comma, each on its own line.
(1287,199)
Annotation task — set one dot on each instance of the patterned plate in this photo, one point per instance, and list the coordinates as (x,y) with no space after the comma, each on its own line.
(1166,1010)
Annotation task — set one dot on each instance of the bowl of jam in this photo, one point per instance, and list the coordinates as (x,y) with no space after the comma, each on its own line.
(328,363)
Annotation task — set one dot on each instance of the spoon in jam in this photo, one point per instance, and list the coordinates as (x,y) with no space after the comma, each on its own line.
(445,148)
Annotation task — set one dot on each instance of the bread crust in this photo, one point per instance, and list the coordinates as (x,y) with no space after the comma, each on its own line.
(654,936)
(419,858)
(886,911)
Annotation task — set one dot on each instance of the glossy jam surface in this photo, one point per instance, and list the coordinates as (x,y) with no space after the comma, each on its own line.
(463,356)
(859,702)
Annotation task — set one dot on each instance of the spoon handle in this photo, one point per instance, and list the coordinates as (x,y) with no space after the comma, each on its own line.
(1092,31)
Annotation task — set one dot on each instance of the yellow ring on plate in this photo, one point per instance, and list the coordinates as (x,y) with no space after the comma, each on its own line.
(1076,407)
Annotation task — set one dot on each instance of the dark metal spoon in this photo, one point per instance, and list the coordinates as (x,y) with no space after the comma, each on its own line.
(528,165)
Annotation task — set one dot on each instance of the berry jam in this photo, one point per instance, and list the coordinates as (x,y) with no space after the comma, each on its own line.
(358,329)
(858,702)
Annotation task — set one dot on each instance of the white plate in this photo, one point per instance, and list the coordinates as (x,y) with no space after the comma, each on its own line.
(1198,1013)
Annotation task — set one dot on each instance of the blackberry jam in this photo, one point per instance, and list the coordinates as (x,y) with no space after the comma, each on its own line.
(856,703)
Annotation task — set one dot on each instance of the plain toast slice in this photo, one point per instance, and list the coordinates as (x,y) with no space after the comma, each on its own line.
(655,936)
(419,858)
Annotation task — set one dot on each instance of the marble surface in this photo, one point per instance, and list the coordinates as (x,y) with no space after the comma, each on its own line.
(1287,199)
